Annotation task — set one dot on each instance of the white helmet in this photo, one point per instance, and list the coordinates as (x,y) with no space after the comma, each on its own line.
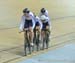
(43,17)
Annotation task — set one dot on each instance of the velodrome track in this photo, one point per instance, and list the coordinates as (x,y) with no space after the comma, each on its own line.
(62,14)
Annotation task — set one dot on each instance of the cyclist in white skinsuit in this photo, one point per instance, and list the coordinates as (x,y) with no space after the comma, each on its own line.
(38,25)
(46,22)
(27,22)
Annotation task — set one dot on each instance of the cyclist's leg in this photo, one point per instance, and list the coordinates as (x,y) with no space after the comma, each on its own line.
(43,30)
(47,35)
(34,38)
(42,39)
(44,34)
(38,37)
(48,29)
(34,35)
(25,38)
(31,35)
(39,31)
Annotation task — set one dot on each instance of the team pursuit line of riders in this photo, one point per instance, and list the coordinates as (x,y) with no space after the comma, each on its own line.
(36,30)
